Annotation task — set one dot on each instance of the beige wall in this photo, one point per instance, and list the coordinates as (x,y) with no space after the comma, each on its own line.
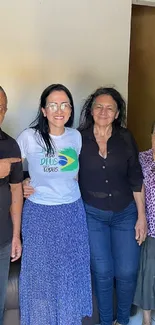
(82,43)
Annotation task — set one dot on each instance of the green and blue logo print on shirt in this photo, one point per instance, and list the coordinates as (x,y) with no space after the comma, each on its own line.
(66,160)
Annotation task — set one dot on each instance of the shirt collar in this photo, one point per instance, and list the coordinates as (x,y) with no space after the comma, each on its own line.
(2,135)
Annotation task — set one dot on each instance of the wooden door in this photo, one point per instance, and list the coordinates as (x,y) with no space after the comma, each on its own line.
(141,90)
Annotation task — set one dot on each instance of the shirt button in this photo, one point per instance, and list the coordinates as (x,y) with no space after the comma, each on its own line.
(110,194)
(106,181)
(103,167)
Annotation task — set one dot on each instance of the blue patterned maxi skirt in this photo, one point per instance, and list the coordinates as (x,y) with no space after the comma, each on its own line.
(55,284)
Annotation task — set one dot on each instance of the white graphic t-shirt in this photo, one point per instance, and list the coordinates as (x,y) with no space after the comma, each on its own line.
(52,176)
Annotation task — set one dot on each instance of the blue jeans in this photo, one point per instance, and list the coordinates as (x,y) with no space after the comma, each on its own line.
(4,271)
(114,254)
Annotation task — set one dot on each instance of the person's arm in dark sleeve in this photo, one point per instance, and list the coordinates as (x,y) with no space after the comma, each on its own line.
(15,180)
(135,177)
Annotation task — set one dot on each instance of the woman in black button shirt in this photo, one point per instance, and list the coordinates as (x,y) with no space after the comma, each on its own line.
(111,183)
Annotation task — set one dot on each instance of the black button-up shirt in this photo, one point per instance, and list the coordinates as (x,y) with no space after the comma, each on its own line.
(8,149)
(108,184)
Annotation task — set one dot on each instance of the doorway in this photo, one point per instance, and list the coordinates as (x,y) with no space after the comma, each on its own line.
(141,87)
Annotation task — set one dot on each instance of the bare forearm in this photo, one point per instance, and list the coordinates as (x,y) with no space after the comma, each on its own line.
(16,208)
(140,202)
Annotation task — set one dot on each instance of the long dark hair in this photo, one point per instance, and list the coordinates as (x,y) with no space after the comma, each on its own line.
(40,124)
(86,118)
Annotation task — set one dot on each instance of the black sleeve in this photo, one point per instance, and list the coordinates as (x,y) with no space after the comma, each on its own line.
(135,174)
(26,174)
(16,174)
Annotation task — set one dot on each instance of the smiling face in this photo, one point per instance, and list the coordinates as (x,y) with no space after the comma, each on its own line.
(3,106)
(104,110)
(57,110)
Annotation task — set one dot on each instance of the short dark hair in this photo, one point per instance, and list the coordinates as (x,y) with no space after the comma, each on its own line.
(1,89)
(153,127)
(86,118)
(40,123)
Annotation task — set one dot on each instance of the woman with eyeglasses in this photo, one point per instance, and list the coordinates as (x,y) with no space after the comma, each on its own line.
(111,183)
(145,291)
(55,285)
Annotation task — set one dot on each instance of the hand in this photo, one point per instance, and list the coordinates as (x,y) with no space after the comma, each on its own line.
(16,250)
(5,166)
(27,188)
(141,230)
